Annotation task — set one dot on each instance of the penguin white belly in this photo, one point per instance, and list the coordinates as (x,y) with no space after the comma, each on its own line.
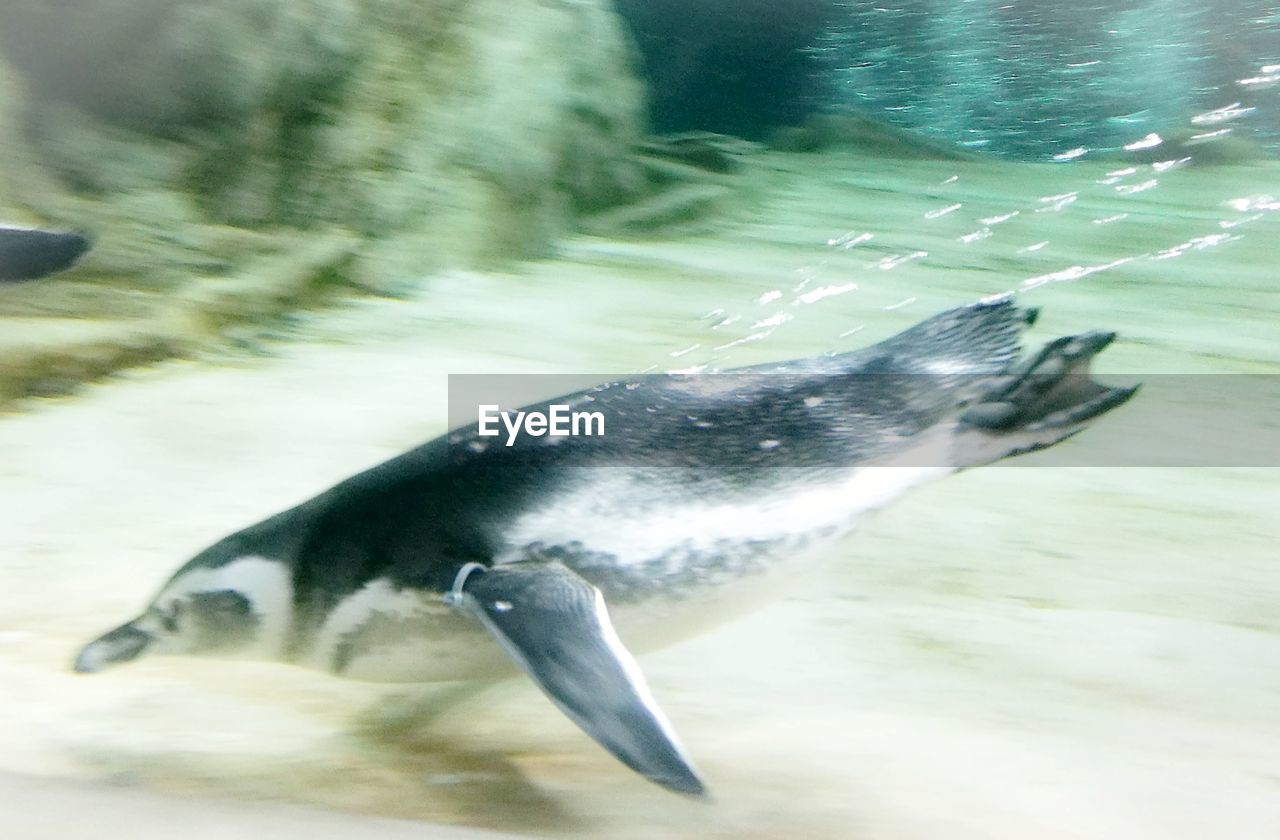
(686,568)
(382,633)
(618,516)
(700,565)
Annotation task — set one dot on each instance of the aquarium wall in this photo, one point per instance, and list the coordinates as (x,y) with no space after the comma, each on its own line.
(433,132)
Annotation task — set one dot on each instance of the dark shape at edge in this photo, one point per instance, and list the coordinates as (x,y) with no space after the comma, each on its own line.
(29,254)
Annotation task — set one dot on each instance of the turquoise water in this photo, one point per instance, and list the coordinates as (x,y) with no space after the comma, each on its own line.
(1039,652)
(1039,80)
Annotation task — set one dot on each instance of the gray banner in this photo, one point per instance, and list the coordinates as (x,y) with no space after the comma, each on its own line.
(1175,420)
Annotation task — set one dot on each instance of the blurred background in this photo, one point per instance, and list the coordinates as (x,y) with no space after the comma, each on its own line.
(306,214)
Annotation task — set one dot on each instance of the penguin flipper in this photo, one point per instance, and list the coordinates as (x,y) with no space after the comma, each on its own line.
(555,626)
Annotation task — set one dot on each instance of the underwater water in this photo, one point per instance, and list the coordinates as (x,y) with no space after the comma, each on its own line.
(1083,652)
(1080,76)
(1029,651)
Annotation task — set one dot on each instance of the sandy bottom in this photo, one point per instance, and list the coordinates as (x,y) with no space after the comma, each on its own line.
(1012,653)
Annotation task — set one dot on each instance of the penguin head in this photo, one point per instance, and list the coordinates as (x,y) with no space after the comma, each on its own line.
(236,606)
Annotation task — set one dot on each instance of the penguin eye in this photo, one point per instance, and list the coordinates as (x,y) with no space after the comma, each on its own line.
(169,618)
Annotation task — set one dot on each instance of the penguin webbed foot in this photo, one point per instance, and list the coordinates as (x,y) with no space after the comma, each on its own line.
(555,626)
(1048,396)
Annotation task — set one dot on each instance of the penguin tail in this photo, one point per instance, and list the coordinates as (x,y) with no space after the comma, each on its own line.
(982,337)
(1038,402)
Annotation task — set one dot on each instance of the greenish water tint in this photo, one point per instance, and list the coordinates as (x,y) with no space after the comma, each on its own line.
(1039,652)
(1039,80)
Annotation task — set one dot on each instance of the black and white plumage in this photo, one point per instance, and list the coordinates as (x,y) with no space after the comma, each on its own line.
(30,253)
(702,494)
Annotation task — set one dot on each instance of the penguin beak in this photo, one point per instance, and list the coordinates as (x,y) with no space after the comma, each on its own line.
(122,644)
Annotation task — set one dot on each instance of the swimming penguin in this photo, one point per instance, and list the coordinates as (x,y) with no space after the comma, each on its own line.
(29,254)
(698,499)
